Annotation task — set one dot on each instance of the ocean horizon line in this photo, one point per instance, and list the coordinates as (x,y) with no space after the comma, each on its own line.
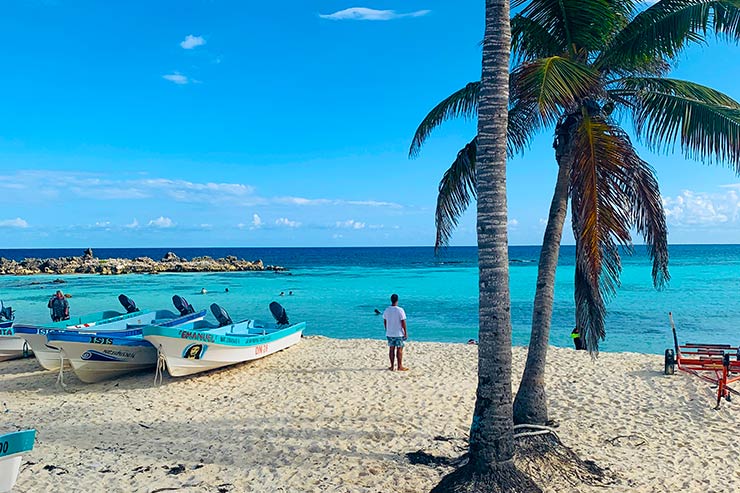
(82,248)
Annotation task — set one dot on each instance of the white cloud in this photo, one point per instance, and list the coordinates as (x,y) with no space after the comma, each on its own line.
(313,202)
(14,223)
(284,221)
(191,42)
(161,222)
(512,223)
(366,14)
(134,224)
(703,209)
(256,221)
(177,78)
(350,224)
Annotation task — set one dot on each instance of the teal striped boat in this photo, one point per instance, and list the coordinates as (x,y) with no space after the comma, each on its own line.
(202,346)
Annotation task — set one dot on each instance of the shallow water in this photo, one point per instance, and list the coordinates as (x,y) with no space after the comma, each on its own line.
(337,289)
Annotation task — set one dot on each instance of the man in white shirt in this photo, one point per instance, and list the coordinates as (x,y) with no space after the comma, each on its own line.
(394,320)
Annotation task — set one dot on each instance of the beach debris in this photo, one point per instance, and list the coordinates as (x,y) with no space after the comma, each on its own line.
(28,464)
(51,467)
(140,469)
(440,438)
(178,469)
(630,440)
(224,487)
(145,426)
(106,469)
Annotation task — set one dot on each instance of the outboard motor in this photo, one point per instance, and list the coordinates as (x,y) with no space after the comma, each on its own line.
(278,312)
(6,312)
(182,305)
(223,318)
(128,303)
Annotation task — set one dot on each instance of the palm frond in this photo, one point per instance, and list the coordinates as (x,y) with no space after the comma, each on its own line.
(463,103)
(530,40)
(706,122)
(523,123)
(648,216)
(590,311)
(664,29)
(554,85)
(601,217)
(582,26)
(456,189)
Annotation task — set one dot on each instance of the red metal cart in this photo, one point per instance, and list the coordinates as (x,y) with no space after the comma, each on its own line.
(718,364)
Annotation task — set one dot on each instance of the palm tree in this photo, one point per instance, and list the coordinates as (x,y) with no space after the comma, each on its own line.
(585,67)
(491,447)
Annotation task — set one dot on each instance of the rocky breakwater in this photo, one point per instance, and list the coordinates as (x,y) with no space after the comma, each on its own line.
(89,264)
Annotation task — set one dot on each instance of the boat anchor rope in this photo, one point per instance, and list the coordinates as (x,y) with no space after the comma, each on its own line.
(161,364)
(60,377)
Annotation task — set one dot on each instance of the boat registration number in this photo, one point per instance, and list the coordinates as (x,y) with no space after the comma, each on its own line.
(261,349)
(3,447)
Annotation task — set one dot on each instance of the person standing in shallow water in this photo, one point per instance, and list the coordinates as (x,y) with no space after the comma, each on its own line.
(59,307)
(394,321)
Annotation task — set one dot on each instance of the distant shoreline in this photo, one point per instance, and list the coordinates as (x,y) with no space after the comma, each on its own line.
(89,264)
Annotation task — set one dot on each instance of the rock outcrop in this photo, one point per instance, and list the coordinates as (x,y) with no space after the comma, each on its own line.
(89,264)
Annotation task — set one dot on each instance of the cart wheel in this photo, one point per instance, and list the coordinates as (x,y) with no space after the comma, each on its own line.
(670,362)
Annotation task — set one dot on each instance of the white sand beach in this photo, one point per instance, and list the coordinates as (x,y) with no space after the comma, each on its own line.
(326,415)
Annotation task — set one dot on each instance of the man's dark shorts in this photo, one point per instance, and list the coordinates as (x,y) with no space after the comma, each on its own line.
(395,341)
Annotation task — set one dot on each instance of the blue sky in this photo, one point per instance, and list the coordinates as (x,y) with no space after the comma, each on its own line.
(231,123)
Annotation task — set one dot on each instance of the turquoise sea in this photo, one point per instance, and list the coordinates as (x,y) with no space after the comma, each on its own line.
(335,290)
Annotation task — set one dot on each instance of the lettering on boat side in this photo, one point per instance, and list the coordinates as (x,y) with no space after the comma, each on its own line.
(194,351)
(6,332)
(4,447)
(196,336)
(101,340)
(261,349)
(123,354)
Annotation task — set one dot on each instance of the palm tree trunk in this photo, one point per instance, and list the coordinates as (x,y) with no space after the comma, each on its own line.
(492,431)
(491,465)
(530,404)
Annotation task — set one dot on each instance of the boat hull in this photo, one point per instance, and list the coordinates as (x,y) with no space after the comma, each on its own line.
(211,354)
(96,362)
(12,347)
(48,354)
(12,448)
(48,357)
